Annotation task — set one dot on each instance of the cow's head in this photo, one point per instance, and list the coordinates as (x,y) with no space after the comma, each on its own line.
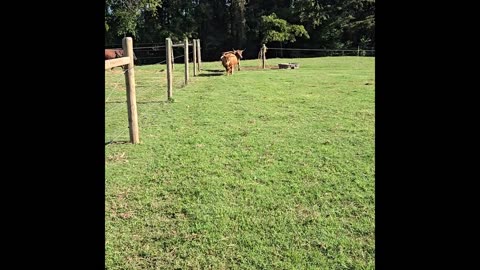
(118,53)
(239,53)
(121,53)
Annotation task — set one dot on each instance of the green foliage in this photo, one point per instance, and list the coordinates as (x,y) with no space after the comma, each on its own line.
(332,24)
(276,29)
(124,14)
(338,23)
(312,12)
(237,25)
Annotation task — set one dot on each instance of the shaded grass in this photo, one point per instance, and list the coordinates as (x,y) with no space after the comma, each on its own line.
(265,169)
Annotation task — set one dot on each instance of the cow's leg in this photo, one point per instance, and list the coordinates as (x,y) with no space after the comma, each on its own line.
(239,66)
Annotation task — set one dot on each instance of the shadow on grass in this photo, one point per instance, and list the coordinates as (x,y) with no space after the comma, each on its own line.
(214,70)
(209,74)
(117,142)
(245,68)
(154,101)
(113,102)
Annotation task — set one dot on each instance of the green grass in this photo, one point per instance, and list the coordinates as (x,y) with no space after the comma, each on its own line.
(265,169)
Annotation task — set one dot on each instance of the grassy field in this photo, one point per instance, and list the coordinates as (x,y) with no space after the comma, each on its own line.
(265,169)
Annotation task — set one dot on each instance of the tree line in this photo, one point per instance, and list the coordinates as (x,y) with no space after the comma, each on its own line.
(247,24)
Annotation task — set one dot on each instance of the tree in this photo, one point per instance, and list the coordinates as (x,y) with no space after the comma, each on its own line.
(238,22)
(338,23)
(276,29)
(223,24)
(122,16)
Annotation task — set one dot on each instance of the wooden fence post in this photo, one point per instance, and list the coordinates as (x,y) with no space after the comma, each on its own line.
(194,57)
(186,60)
(264,49)
(127,45)
(173,58)
(168,42)
(199,56)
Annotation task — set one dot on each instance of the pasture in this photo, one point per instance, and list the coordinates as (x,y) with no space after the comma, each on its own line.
(265,169)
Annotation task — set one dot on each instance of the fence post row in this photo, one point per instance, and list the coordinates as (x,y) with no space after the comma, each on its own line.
(170,60)
(168,42)
(127,45)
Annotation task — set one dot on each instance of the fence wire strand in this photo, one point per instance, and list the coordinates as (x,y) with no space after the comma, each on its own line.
(116,87)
